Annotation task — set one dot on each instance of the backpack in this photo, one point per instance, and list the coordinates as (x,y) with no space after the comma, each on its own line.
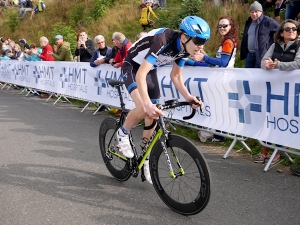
(144,16)
(41,6)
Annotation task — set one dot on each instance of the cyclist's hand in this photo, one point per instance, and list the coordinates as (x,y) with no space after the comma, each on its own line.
(153,111)
(198,101)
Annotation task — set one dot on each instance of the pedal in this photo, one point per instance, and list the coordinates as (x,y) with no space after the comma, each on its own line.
(108,155)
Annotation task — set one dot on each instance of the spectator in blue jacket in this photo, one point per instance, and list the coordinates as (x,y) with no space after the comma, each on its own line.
(258,36)
(102,54)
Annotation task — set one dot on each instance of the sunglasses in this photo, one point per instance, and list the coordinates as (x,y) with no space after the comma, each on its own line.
(222,25)
(287,29)
(199,41)
(101,42)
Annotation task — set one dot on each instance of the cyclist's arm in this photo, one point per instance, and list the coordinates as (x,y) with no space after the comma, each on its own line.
(176,77)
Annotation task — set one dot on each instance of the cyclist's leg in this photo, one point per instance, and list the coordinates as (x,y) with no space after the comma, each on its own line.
(154,94)
(139,113)
(135,115)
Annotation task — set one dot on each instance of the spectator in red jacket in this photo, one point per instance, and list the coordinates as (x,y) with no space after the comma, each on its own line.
(123,44)
(44,42)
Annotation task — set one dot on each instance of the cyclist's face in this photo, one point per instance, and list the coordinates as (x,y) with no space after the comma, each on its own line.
(191,47)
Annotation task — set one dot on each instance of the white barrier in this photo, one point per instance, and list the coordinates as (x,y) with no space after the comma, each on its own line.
(260,104)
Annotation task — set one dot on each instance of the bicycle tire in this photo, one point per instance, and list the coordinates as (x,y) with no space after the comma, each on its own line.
(117,167)
(195,183)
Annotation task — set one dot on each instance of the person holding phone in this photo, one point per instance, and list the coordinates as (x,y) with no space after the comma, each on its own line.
(85,47)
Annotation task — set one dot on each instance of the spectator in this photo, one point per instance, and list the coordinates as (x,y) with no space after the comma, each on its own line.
(30,53)
(100,54)
(46,47)
(62,51)
(40,7)
(226,53)
(145,15)
(225,56)
(27,8)
(22,3)
(162,3)
(284,55)
(123,44)
(6,54)
(85,47)
(18,54)
(277,6)
(257,36)
(294,9)
(12,47)
(24,43)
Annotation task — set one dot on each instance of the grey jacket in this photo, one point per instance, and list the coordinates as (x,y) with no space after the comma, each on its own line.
(285,66)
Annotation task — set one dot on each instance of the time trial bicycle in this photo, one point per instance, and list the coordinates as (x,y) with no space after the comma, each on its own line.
(179,171)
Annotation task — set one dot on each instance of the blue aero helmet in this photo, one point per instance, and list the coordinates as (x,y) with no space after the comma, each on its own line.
(196,28)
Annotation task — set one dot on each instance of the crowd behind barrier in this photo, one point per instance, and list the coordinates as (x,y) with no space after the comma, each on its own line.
(251,103)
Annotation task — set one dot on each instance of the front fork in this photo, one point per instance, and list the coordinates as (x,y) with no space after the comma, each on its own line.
(164,144)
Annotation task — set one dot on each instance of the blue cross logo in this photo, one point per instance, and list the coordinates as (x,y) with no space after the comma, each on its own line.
(64,77)
(99,82)
(244,101)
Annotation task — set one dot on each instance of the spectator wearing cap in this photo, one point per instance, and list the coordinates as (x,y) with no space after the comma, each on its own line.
(62,51)
(258,36)
(85,47)
(46,47)
(102,54)
(23,42)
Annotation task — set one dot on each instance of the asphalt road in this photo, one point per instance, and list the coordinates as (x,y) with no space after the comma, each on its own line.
(51,172)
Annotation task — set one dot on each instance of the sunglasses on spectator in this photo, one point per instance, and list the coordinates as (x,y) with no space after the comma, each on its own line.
(287,29)
(199,41)
(101,42)
(222,25)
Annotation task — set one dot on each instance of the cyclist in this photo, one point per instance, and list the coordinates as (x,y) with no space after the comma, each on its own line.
(158,47)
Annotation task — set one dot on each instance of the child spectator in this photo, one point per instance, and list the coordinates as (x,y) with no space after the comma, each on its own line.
(145,16)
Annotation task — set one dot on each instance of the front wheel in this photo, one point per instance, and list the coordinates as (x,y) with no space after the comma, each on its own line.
(117,167)
(189,192)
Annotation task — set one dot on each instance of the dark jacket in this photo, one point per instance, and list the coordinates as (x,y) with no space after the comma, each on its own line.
(264,33)
(85,54)
(106,52)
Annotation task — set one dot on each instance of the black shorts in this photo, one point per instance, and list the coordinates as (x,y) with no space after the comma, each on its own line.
(129,72)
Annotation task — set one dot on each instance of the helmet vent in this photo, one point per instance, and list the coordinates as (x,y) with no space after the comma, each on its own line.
(197,28)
